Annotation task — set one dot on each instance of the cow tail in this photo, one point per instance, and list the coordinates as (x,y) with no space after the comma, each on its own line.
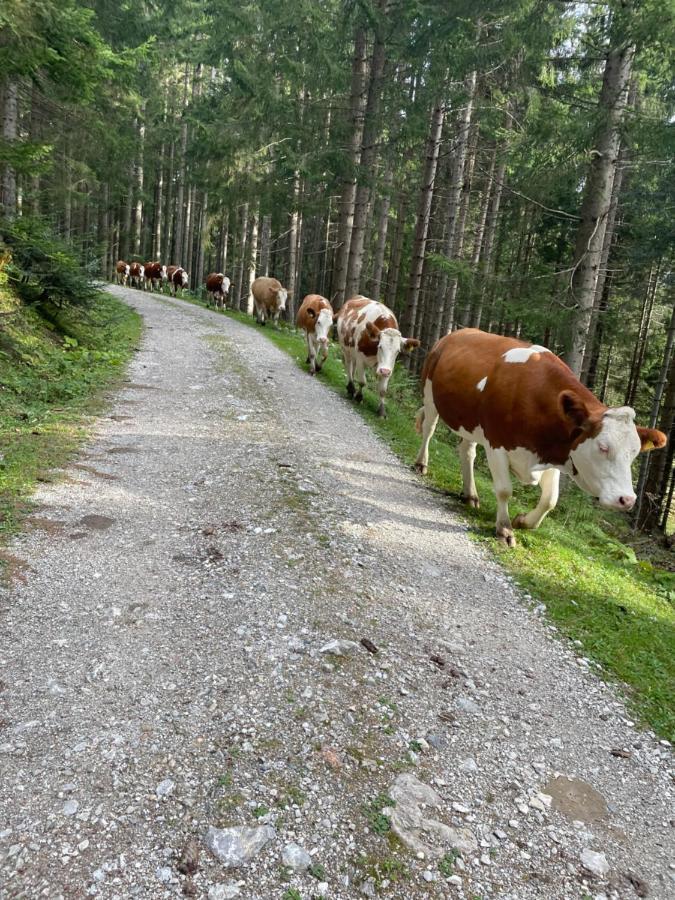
(419,420)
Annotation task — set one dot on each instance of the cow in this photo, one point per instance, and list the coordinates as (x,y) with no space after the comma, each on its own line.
(315,318)
(155,275)
(122,272)
(137,274)
(178,279)
(369,338)
(269,298)
(534,418)
(217,287)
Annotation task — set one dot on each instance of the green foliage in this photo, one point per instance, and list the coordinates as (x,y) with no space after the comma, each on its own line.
(41,268)
(446,865)
(379,823)
(51,373)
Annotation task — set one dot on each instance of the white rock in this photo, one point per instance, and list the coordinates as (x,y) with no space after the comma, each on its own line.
(70,807)
(594,862)
(164,788)
(467,705)
(224,891)
(469,765)
(164,873)
(296,858)
(339,648)
(236,846)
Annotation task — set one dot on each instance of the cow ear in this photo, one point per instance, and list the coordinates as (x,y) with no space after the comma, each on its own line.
(573,408)
(373,331)
(651,439)
(410,343)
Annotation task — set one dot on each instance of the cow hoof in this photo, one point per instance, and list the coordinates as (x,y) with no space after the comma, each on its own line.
(312,372)
(519,521)
(358,397)
(421,468)
(382,413)
(318,368)
(473,502)
(350,389)
(506,536)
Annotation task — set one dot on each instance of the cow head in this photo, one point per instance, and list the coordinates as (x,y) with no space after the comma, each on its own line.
(163,274)
(390,342)
(141,270)
(280,298)
(323,325)
(184,278)
(127,269)
(607,442)
(225,285)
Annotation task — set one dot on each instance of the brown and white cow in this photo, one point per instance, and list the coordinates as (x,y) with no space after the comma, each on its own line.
(315,317)
(369,339)
(177,278)
(122,271)
(269,298)
(217,287)
(137,274)
(155,275)
(534,418)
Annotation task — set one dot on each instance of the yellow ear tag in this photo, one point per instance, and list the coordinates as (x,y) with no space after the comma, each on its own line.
(649,445)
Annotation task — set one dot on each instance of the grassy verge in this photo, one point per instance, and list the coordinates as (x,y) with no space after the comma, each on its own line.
(582,563)
(53,369)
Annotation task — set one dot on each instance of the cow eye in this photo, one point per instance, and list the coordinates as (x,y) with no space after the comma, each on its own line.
(603,448)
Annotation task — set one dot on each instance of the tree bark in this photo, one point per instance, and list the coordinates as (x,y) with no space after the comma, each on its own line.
(394,268)
(368,156)
(409,318)
(179,227)
(597,197)
(293,250)
(138,231)
(252,259)
(352,156)
(203,235)
(643,332)
(265,236)
(382,228)
(10,124)
(243,229)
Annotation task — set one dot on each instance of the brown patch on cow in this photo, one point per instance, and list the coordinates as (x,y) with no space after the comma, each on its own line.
(13,568)
(576,799)
(539,404)
(96,522)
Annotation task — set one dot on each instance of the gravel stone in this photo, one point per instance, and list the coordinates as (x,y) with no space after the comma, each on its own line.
(255,518)
(594,862)
(296,858)
(236,846)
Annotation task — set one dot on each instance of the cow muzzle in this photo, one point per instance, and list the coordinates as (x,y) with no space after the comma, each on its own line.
(624,502)
(384,372)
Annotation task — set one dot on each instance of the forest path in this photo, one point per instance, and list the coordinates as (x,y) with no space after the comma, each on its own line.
(162,666)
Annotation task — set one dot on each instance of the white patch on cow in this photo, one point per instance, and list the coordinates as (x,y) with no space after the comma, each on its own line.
(282,297)
(163,274)
(323,325)
(603,463)
(184,278)
(225,285)
(481,384)
(522,354)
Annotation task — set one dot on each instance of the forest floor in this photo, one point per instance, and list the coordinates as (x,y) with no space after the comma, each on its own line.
(252,654)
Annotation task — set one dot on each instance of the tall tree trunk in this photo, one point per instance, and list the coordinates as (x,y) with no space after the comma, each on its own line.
(643,332)
(221,263)
(165,252)
(178,236)
(192,213)
(651,481)
(265,237)
(293,250)
(597,197)
(10,125)
(470,309)
(382,227)
(422,221)
(139,184)
(368,155)
(104,235)
(252,259)
(159,196)
(455,234)
(203,237)
(351,157)
(243,230)
(394,268)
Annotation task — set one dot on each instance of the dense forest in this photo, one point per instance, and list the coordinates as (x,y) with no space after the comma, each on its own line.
(506,164)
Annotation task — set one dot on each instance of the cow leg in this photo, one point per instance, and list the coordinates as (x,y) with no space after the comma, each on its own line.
(349,369)
(311,353)
(467,456)
(321,356)
(549,484)
(498,461)
(382,385)
(361,379)
(426,421)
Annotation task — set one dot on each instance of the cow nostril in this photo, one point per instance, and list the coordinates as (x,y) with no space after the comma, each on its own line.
(384,371)
(627,502)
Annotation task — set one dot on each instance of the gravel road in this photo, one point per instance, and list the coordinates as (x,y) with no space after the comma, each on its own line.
(182,673)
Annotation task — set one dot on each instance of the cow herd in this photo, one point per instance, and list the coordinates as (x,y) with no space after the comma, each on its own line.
(520,402)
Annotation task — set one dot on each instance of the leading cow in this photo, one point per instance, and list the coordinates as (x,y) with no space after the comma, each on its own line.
(534,418)
(315,318)
(369,338)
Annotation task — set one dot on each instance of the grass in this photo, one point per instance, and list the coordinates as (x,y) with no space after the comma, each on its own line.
(582,563)
(54,366)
